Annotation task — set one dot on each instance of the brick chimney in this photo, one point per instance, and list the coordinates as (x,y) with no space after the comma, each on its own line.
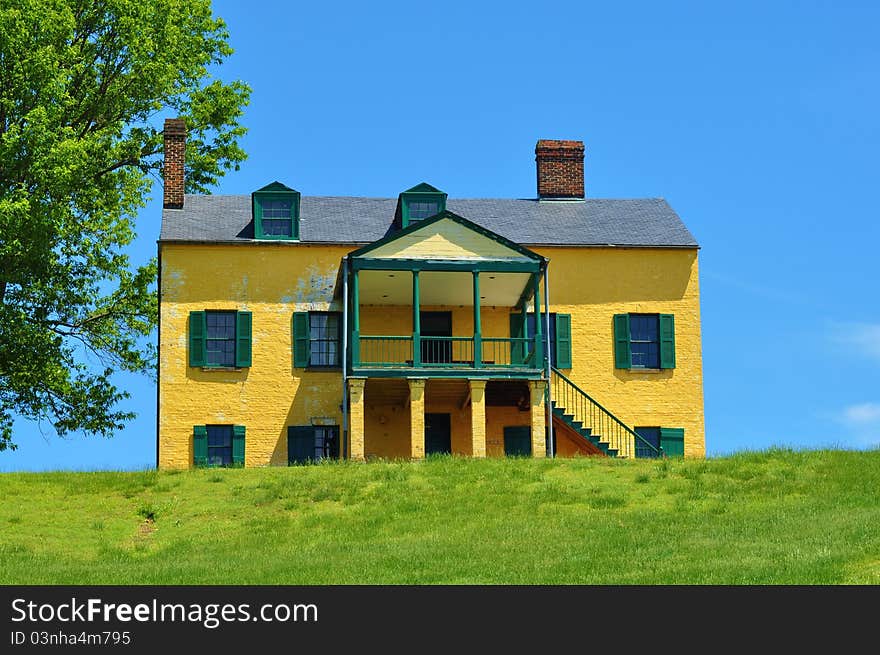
(175,151)
(560,169)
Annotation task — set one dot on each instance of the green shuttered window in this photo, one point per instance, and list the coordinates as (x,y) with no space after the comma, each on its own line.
(218,445)
(644,341)
(669,440)
(220,339)
(560,336)
(276,212)
(317,339)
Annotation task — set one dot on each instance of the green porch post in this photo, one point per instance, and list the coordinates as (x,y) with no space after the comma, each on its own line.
(356,320)
(417,324)
(539,340)
(478,337)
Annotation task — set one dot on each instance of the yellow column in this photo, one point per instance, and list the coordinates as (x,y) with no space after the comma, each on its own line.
(539,422)
(416,418)
(356,418)
(478,418)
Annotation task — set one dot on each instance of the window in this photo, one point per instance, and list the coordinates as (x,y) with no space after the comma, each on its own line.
(277,219)
(668,441)
(644,341)
(560,336)
(419,209)
(312,443)
(218,445)
(276,212)
(220,339)
(317,339)
(323,339)
(421,202)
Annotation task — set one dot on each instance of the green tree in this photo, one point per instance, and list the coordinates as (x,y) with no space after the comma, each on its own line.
(83,86)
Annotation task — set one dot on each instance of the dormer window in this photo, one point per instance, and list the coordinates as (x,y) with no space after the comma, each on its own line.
(421,202)
(276,212)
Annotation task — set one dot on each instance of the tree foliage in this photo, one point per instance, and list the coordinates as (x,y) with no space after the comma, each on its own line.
(84,85)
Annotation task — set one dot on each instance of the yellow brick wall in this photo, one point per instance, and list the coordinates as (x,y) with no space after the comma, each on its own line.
(387,428)
(594,284)
(274,280)
(497,418)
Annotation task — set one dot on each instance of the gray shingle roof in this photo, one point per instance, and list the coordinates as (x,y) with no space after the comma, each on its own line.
(648,222)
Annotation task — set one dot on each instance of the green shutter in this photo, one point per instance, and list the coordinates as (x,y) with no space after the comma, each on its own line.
(258,218)
(516,347)
(197,331)
(622,346)
(300,444)
(667,341)
(301,348)
(238,445)
(563,341)
(672,441)
(200,445)
(243,330)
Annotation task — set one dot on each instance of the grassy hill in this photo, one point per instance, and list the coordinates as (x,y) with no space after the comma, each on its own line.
(772,517)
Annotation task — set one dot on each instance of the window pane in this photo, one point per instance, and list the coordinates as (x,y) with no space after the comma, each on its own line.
(644,331)
(276,208)
(277,227)
(421,209)
(219,445)
(324,339)
(220,342)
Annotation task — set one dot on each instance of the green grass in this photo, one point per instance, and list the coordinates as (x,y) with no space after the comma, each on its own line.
(773,517)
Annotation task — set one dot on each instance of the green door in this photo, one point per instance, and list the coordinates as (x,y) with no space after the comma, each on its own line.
(300,444)
(518,441)
(438,434)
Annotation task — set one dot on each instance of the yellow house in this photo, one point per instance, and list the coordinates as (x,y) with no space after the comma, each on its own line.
(295,328)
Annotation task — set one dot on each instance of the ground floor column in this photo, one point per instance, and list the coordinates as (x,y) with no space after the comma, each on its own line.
(478,418)
(416,418)
(356,418)
(539,421)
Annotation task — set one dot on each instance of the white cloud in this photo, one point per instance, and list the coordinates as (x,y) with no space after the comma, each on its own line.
(864,336)
(862,414)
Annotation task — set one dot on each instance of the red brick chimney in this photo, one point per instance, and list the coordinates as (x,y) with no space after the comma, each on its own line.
(560,169)
(175,152)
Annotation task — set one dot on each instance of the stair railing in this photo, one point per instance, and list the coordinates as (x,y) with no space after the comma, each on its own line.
(573,400)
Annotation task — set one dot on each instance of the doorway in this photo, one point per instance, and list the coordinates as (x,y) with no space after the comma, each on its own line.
(436,324)
(438,434)
(518,441)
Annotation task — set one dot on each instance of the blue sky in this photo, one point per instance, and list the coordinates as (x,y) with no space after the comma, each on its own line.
(757,121)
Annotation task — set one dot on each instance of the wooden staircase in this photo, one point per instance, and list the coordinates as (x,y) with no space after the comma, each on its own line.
(579,414)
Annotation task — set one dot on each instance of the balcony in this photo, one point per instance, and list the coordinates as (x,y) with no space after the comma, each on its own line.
(437,353)
(443,298)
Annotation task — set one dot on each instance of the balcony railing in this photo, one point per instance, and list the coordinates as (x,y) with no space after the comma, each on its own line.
(444,352)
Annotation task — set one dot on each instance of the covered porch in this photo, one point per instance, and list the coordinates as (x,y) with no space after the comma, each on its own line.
(411,418)
(446,296)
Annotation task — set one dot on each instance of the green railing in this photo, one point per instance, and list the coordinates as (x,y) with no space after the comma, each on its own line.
(447,351)
(574,401)
(383,351)
(379,352)
(509,352)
